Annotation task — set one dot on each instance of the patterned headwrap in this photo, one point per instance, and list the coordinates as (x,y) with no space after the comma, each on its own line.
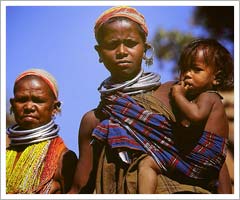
(44,75)
(121,11)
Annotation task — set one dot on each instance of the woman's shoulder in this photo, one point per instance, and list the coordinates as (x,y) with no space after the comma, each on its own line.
(163,92)
(168,83)
(90,117)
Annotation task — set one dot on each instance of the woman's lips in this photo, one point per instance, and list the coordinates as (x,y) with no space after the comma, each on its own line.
(29,117)
(123,63)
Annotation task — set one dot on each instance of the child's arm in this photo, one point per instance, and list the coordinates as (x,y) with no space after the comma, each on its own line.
(193,111)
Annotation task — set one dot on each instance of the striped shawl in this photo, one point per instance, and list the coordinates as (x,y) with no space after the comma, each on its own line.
(130,126)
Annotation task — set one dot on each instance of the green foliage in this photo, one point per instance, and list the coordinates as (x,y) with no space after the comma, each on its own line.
(168,45)
(218,21)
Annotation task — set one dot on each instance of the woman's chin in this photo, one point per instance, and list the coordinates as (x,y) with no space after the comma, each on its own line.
(28,124)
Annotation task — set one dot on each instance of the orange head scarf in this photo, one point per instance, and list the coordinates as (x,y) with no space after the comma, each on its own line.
(44,75)
(121,11)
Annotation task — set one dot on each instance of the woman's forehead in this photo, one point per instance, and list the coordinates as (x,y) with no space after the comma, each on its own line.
(31,83)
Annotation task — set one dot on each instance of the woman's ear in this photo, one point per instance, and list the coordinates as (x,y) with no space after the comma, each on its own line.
(148,54)
(147,46)
(56,107)
(11,101)
(12,105)
(98,49)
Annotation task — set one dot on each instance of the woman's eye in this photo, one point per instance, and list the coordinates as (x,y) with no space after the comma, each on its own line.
(20,99)
(130,43)
(110,45)
(38,100)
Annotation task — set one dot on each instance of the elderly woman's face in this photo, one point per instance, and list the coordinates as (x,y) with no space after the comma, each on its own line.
(121,49)
(33,103)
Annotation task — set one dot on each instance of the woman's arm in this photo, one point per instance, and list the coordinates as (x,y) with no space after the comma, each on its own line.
(69,162)
(63,176)
(85,163)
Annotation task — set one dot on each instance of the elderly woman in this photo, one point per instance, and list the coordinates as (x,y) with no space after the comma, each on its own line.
(37,159)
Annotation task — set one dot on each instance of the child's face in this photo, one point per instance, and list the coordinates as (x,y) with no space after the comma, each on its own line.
(199,77)
(121,49)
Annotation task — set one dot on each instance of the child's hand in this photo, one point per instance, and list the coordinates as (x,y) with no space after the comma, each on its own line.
(179,89)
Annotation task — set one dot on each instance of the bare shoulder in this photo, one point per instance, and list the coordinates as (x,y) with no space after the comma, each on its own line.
(88,122)
(211,97)
(168,84)
(217,121)
(165,88)
(89,117)
(163,93)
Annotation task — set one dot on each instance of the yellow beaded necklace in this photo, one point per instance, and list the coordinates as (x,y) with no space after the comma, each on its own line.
(24,177)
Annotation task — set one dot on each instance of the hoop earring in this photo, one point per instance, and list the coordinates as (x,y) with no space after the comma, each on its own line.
(100,60)
(149,60)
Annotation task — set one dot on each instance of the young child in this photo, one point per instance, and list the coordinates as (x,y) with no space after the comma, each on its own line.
(205,66)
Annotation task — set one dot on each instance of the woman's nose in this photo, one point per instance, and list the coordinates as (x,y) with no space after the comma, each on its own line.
(29,106)
(121,51)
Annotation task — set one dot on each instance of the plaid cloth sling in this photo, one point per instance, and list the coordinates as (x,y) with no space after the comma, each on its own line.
(130,126)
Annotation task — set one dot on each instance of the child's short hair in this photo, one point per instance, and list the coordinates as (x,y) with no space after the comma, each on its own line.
(215,55)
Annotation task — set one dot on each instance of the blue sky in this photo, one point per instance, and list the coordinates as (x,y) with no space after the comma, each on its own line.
(60,39)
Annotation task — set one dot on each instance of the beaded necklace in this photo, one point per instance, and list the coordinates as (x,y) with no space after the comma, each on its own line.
(25,176)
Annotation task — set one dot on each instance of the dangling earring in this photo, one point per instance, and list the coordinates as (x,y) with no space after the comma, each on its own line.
(54,116)
(100,60)
(149,60)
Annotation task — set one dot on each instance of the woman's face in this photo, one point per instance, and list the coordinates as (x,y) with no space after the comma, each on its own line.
(121,49)
(33,103)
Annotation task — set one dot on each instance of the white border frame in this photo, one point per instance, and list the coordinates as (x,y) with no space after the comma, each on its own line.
(4,4)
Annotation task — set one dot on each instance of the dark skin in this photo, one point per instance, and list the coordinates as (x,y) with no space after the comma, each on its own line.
(34,105)
(204,106)
(121,50)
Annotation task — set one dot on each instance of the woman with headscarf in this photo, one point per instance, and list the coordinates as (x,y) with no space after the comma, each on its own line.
(134,117)
(37,160)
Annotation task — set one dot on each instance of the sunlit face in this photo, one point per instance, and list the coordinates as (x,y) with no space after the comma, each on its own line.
(121,49)
(33,103)
(199,77)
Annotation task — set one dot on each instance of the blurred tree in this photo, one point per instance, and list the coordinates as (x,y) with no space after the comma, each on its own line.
(218,21)
(168,45)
